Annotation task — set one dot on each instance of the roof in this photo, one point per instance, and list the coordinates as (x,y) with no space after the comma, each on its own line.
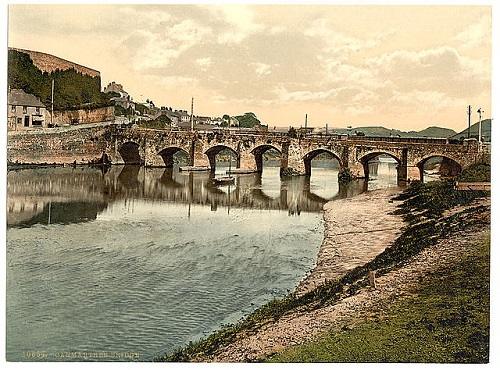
(19,97)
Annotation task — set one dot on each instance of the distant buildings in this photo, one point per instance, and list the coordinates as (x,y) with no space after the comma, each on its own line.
(24,110)
(123,99)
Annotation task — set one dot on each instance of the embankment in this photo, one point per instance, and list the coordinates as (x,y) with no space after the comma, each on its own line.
(57,146)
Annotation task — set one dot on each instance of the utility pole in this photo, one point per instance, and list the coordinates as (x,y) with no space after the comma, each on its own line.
(480,133)
(192,122)
(469,111)
(52,106)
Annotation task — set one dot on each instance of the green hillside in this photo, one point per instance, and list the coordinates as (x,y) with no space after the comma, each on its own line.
(474,130)
(72,89)
(434,131)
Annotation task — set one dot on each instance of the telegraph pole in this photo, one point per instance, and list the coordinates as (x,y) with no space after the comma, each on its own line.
(192,122)
(469,111)
(52,106)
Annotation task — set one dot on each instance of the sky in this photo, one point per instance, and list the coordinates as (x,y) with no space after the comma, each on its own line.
(403,67)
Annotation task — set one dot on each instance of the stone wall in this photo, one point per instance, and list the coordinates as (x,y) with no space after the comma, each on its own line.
(79,116)
(56,146)
(50,63)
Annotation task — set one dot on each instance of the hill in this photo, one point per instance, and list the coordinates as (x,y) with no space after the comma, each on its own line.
(73,88)
(433,131)
(474,130)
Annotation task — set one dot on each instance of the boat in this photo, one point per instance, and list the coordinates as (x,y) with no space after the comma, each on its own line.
(194,169)
(240,171)
(224,180)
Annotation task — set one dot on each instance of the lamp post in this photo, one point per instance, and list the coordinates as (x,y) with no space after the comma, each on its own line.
(480,133)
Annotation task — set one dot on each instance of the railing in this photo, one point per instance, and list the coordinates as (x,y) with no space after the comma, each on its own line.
(299,135)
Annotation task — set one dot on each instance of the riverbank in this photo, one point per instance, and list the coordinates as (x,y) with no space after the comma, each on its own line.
(298,318)
(356,230)
(435,309)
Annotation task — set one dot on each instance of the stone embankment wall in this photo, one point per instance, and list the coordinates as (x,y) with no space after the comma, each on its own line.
(79,116)
(82,146)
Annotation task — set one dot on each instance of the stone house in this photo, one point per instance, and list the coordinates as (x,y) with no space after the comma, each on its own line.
(201,120)
(184,115)
(124,100)
(24,111)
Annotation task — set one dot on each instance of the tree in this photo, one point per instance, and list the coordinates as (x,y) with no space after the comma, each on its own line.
(248,120)
(73,89)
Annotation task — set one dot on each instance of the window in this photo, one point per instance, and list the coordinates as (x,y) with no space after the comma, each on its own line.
(25,109)
(37,110)
(13,108)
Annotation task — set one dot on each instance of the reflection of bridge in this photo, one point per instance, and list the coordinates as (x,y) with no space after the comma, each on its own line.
(89,190)
(157,148)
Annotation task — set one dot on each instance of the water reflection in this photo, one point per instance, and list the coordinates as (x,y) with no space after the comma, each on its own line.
(146,260)
(67,195)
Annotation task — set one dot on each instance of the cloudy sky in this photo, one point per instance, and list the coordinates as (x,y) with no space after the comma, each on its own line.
(399,66)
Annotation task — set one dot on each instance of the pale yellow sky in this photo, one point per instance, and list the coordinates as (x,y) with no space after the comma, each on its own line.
(405,67)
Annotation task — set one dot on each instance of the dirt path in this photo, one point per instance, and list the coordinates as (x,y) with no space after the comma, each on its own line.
(300,326)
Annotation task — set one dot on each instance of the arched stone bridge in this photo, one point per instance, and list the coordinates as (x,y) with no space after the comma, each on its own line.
(156,148)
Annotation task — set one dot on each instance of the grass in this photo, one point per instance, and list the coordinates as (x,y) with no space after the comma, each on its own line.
(477,172)
(422,209)
(446,321)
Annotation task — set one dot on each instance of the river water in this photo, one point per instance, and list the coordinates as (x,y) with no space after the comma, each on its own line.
(128,263)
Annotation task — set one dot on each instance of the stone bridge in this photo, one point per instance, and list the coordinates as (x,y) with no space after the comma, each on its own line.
(156,148)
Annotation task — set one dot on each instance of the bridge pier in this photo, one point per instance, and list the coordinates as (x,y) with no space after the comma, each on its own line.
(247,161)
(402,171)
(292,161)
(358,170)
(198,157)
(415,173)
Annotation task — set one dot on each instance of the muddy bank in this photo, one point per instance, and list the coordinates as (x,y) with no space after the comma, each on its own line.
(303,325)
(356,231)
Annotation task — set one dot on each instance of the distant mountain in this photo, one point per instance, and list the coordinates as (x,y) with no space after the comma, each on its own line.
(433,131)
(474,131)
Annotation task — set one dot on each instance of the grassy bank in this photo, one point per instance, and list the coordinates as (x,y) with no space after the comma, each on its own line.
(422,207)
(447,320)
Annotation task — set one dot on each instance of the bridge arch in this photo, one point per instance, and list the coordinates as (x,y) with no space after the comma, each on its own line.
(367,157)
(313,154)
(212,152)
(167,154)
(258,153)
(129,151)
(448,166)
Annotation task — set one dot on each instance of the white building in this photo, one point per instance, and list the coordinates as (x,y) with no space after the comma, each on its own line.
(24,111)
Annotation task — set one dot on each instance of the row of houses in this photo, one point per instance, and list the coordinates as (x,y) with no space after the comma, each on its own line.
(177,118)
(26,111)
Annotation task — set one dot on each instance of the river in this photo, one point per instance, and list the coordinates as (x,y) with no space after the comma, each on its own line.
(130,262)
